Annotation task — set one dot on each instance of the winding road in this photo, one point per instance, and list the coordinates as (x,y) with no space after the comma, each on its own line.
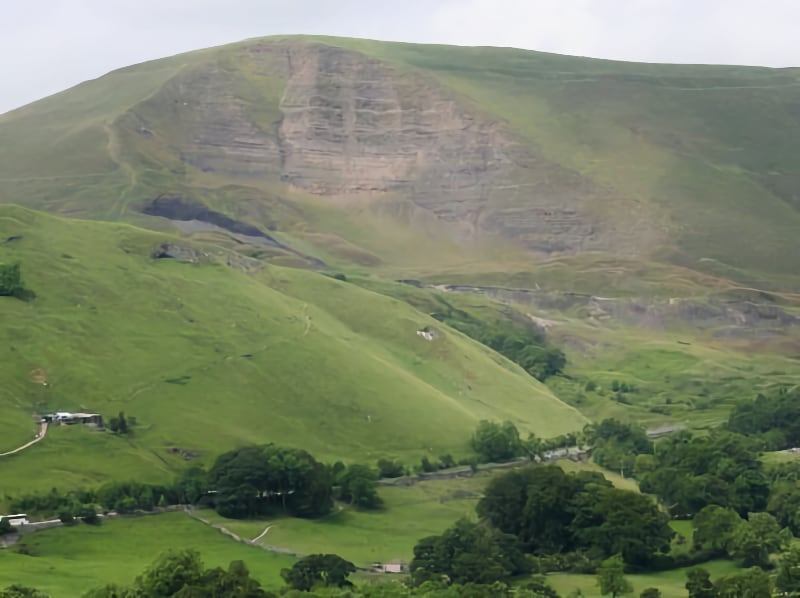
(39,437)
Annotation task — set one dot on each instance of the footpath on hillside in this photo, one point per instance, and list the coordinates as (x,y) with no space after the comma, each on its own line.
(38,438)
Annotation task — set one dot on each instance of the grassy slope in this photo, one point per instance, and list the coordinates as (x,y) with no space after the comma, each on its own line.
(67,562)
(282,355)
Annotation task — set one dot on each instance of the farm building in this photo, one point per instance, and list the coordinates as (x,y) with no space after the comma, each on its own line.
(389,567)
(65,417)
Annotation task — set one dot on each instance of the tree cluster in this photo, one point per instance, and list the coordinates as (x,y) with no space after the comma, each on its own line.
(260,481)
(319,570)
(182,574)
(357,485)
(468,552)
(120,424)
(688,472)
(752,583)
(616,445)
(750,540)
(497,442)
(774,419)
(121,497)
(552,512)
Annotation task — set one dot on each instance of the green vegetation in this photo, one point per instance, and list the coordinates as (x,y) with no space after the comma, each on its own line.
(242,344)
(689,472)
(67,561)
(568,519)
(319,570)
(272,319)
(263,480)
(611,578)
(369,536)
(182,573)
(468,552)
(776,419)
(11,282)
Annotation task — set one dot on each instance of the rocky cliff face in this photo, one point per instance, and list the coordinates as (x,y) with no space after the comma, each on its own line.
(351,128)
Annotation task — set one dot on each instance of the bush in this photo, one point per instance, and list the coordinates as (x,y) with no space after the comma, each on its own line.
(11,282)
(390,468)
(88,515)
(5,527)
(66,518)
(497,442)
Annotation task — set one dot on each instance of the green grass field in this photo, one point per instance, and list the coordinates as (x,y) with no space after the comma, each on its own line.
(671,583)
(364,537)
(67,561)
(207,358)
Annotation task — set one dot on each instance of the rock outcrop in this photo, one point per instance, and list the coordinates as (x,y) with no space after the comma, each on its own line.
(350,128)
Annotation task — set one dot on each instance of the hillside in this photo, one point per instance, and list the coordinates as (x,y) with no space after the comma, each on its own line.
(212,350)
(423,159)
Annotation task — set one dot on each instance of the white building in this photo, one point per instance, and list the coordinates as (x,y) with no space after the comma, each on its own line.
(19,519)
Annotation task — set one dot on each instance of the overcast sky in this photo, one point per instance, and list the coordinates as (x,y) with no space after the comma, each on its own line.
(48,45)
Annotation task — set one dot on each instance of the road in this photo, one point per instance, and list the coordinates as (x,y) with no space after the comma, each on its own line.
(39,437)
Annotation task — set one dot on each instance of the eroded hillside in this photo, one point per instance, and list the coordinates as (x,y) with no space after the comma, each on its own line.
(360,150)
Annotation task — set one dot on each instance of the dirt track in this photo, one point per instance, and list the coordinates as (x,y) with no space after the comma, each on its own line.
(39,436)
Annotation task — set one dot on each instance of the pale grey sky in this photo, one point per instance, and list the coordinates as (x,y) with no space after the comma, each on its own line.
(48,45)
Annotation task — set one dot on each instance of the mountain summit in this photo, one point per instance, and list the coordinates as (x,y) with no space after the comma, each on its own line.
(429,157)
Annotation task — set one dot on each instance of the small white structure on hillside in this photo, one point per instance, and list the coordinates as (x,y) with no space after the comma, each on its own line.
(426,334)
(19,519)
(389,567)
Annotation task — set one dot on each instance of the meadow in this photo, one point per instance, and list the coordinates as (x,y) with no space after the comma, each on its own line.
(207,357)
(67,561)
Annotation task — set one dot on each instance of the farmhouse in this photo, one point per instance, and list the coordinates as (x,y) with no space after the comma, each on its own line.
(67,418)
(19,519)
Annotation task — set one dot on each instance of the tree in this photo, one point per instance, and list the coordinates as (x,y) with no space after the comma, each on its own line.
(611,577)
(539,588)
(650,593)
(621,522)
(170,573)
(88,514)
(111,590)
(754,583)
(328,570)
(11,280)
(468,552)
(758,537)
(5,527)
(235,582)
(66,517)
(390,468)
(357,486)
(714,527)
(119,424)
(784,503)
(497,442)
(699,584)
(182,574)
(616,444)
(262,480)
(788,579)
